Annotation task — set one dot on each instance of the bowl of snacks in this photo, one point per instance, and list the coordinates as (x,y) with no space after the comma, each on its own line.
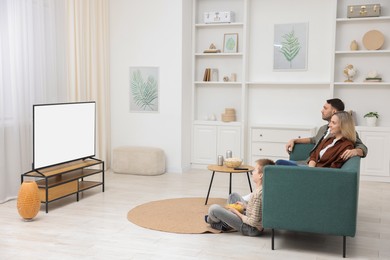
(233,162)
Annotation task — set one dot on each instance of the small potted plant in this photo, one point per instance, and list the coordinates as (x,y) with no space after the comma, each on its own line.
(371,118)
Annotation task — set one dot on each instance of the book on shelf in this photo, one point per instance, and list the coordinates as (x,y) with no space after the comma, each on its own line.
(207,74)
(373,80)
(211,74)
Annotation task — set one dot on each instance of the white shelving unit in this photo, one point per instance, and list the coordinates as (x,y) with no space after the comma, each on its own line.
(213,138)
(362,96)
(263,96)
(349,29)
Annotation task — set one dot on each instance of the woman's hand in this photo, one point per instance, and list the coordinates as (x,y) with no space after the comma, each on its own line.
(312,163)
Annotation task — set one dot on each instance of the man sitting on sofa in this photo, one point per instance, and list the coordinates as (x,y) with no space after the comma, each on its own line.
(330,107)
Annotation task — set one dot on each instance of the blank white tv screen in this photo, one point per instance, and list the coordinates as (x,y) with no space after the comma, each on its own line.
(63,132)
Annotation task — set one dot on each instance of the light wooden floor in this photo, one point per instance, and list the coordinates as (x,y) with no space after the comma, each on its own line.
(96,227)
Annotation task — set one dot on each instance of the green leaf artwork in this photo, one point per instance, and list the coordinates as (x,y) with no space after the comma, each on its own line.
(144,93)
(290,46)
(230,44)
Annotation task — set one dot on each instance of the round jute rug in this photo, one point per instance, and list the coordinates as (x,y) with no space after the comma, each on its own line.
(182,215)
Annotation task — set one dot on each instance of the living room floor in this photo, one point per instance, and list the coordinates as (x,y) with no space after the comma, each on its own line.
(96,227)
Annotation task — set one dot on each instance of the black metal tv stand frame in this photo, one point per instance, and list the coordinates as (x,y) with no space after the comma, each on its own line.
(60,181)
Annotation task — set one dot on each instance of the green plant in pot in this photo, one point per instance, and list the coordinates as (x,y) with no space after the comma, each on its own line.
(371,118)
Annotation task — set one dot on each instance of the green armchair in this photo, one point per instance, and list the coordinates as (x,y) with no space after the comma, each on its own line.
(306,199)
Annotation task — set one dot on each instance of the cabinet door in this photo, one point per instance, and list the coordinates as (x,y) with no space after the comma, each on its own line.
(229,138)
(204,144)
(378,158)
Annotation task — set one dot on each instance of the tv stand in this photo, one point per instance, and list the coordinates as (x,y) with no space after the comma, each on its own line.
(66,179)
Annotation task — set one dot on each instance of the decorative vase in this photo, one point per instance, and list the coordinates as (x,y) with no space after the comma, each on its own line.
(28,203)
(354,46)
(371,121)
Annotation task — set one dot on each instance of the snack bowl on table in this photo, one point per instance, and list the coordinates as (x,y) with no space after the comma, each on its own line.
(233,162)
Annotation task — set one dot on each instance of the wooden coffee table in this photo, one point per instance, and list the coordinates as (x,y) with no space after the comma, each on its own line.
(215,168)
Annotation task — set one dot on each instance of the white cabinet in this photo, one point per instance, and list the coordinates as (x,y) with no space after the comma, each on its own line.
(204,142)
(269,141)
(209,141)
(376,165)
(229,138)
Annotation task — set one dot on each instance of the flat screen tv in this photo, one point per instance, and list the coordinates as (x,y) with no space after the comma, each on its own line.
(63,132)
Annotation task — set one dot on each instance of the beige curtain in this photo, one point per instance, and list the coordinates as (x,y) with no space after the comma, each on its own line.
(88,64)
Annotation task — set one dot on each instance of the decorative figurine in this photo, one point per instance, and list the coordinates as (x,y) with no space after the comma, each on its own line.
(349,72)
(212,49)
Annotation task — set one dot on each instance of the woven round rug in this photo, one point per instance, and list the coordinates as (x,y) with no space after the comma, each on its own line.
(182,215)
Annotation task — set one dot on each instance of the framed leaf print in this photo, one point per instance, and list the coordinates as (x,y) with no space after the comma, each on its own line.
(144,89)
(290,46)
(230,42)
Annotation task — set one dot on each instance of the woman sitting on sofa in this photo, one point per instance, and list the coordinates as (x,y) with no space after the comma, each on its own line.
(328,152)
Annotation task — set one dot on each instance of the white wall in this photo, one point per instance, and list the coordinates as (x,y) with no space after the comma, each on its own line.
(290,103)
(148,33)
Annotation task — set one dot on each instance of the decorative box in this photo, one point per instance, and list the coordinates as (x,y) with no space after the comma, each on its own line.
(218,17)
(371,10)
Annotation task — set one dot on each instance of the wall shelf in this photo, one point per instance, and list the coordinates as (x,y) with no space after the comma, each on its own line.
(363,52)
(363,19)
(207,25)
(362,83)
(287,83)
(217,83)
(221,54)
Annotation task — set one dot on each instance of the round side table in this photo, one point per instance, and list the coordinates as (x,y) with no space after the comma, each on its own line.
(215,168)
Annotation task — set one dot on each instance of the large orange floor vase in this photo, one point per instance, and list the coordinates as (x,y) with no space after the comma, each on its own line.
(28,200)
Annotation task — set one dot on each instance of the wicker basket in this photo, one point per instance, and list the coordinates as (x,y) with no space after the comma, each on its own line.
(233,162)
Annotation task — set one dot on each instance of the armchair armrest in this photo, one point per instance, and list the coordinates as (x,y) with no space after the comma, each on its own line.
(301,152)
(318,200)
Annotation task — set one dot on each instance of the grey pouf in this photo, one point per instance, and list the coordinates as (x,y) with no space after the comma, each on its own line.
(138,160)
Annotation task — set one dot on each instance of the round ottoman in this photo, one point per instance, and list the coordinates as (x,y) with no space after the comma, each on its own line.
(138,160)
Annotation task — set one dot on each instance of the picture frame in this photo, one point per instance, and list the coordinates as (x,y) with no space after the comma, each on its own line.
(230,42)
(144,89)
(290,46)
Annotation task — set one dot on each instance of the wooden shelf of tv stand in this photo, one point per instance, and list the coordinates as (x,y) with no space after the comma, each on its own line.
(66,179)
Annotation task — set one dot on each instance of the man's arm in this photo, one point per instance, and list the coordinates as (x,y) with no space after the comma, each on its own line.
(290,144)
(307,140)
(360,149)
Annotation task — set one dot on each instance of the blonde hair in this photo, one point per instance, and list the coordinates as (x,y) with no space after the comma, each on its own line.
(347,125)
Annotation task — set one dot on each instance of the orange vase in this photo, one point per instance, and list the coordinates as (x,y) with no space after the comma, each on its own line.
(28,200)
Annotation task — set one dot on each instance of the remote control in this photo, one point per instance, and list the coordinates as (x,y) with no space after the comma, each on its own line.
(239,168)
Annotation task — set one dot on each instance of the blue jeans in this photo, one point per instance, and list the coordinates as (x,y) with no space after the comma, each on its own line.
(218,214)
(235,197)
(286,162)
